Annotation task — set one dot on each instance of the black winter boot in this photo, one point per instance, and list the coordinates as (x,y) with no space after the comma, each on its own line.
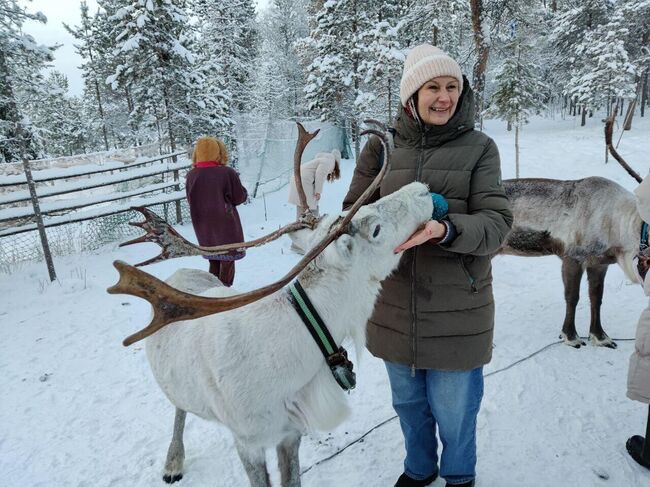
(638,450)
(406,481)
(464,484)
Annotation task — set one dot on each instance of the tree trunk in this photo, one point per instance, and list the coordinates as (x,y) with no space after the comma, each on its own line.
(509,126)
(483,54)
(644,91)
(517,151)
(354,126)
(390,102)
(583,120)
(627,125)
(172,145)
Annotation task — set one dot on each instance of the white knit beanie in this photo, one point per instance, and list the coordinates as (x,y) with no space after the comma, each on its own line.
(425,62)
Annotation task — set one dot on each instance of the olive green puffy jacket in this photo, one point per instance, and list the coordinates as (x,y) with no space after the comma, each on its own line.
(437,309)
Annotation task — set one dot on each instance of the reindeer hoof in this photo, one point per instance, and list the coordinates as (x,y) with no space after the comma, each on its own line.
(603,341)
(575,342)
(170,479)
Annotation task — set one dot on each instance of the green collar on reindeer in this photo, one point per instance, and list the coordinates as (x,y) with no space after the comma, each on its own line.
(336,357)
(643,244)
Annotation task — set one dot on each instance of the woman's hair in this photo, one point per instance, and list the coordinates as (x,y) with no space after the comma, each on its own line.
(336,173)
(210,149)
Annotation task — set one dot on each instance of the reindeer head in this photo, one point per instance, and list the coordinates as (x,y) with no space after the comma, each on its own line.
(372,234)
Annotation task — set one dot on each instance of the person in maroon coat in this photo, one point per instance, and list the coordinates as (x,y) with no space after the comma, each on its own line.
(213,192)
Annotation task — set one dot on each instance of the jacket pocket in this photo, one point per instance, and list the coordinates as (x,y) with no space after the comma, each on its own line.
(470,279)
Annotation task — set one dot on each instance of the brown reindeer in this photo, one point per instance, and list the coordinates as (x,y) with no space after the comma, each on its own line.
(589,223)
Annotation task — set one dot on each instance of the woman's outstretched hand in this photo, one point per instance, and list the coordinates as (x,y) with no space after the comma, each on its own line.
(431,229)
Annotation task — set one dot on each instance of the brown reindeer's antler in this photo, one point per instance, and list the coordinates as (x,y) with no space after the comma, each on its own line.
(609,128)
(171,305)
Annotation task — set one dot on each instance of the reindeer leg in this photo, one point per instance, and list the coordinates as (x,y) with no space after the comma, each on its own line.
(254,461)
(288,460)
(176,452)
(596,278)
(571,275)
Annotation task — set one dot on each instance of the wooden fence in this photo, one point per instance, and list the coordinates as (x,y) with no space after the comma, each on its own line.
(67,195)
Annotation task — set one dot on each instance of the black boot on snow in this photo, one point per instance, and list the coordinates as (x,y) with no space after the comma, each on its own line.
(406,481)
(635,447)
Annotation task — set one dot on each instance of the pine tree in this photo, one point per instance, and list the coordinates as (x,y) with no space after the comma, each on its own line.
(335,85)
(59,118)
(229,28)
(383,62)
(282,78)
(21,61)
(169,91)
(577,36)
(444,23)
(519,91)
(88,50)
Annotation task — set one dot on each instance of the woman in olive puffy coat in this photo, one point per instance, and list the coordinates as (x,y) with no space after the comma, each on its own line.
(433,321)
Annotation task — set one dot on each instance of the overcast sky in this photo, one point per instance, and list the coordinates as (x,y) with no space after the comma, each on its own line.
(57,12)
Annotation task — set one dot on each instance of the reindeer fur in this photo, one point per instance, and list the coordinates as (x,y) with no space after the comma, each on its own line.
(589,223)
(256,369)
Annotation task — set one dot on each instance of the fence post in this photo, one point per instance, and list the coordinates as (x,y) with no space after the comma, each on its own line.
(179,215)
(39,219)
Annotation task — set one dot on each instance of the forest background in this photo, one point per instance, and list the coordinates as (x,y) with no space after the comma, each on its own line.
(167,71)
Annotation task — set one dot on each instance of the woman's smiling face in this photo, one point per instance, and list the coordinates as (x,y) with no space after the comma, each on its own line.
(438,99)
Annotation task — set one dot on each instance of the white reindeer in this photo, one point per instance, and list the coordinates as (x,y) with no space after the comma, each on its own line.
(256,369)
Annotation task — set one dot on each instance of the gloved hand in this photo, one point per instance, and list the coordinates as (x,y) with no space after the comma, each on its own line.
(440,206)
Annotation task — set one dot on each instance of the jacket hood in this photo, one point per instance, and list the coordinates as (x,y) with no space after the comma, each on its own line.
(462,121)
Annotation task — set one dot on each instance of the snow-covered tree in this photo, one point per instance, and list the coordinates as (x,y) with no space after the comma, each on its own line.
(59,117)
(87,48)
(519,91)
(444,23)
(335,85)
(383,62)
(229,28)
(606,71)
(21,61)
(577,37)
(282,79)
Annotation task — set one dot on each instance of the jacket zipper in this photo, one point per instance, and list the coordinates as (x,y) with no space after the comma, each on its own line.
(414,345)
(472,281)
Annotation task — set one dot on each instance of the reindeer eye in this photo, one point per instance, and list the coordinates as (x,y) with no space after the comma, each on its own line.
(376,232)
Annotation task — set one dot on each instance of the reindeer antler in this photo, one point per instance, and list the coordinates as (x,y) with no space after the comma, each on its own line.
(173,245)
(171,305)
(609,128)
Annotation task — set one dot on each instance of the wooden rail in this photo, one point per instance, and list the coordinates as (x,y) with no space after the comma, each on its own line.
(21,219)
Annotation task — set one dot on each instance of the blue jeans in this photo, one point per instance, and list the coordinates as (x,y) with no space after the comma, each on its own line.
(446,399)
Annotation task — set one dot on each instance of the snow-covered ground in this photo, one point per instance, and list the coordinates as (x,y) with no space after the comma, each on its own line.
(79,409)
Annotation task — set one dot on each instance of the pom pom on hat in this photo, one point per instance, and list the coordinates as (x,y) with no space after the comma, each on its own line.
(425,62)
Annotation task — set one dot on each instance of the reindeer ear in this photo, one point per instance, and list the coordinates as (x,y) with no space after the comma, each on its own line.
(301,238)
